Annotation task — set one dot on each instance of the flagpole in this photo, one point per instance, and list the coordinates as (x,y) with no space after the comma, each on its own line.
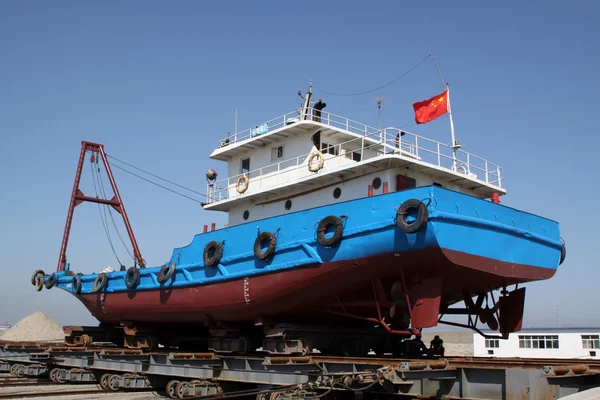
(455,146)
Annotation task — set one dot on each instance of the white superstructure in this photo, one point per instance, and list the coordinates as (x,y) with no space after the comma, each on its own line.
(301,160)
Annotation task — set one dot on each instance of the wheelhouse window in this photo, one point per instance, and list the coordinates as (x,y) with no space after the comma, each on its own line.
(245,166)
(590,341)
(538,342)
(329,148)
(492,343)
(276,153)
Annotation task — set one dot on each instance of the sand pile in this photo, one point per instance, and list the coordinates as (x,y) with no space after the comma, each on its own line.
(37,327)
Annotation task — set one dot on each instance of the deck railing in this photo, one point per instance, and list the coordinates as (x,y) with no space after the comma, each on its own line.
(372,143)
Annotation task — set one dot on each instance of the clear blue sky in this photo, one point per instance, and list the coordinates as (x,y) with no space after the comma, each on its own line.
(158,83)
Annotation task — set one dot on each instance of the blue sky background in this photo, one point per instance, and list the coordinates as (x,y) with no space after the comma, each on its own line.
(158,84)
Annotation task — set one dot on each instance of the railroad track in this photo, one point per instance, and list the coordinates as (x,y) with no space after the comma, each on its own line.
(101,370)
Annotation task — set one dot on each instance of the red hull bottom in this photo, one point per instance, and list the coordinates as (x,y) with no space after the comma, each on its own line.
(305,292)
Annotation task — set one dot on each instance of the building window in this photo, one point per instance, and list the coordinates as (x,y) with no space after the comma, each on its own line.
(276,153)
(492,343)
(245,167)
(538,342)
(590,341)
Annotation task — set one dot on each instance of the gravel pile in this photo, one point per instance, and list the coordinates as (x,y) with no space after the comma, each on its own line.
(37,327)
(458,349)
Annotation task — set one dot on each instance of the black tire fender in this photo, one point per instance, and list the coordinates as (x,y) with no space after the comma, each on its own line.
(420,221)
(324,224)
(77,284)
(213,251)
(166,272)
(52,280)
(100,282)
(132,277)
(263,255)
(39,282)
(563,251)
(39,271)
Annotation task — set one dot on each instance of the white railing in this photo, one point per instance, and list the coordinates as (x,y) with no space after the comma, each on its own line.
(372,143)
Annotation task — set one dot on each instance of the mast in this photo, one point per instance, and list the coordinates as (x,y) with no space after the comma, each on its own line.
(306,105)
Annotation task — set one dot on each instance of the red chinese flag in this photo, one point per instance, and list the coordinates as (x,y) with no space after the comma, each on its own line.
(428,110)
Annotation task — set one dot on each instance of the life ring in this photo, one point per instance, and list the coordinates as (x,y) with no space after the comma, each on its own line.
(132,277)
(100,282)
(52,280)
(321,161)
(563,251)
(213,251)
(77,284)
(418,223)
(322,228)
(164,275)
(242,184)
(262,255)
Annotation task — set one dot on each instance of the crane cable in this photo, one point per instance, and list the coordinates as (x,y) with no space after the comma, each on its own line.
(102,218)
(111,214)
(151,174)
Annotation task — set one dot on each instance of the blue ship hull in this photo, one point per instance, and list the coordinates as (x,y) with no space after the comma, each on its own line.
(498,244)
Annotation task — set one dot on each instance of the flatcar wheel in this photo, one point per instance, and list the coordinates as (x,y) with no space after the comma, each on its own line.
(104,381)
(14,370)
(113,382)
(275,395)
(182,389)
(52,374)
(61,375)
(170,389)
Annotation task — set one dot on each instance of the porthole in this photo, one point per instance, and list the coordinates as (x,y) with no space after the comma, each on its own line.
(337,192)
(246,214)
(288,204)
(376,183)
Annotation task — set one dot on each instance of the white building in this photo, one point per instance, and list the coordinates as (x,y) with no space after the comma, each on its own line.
(541,343)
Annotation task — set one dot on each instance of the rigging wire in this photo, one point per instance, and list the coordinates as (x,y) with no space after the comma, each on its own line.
(157,184)
(156,176)
(107,207)
(381,87)
(102,218)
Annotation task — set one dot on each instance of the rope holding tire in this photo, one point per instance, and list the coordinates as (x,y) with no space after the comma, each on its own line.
(132,277)
(100,282)
(165,274)
(242,184)
(213,251)
(319,165)
(263,255)
(419,222)
(324,224)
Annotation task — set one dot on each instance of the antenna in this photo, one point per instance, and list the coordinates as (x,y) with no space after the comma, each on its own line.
(379,101)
